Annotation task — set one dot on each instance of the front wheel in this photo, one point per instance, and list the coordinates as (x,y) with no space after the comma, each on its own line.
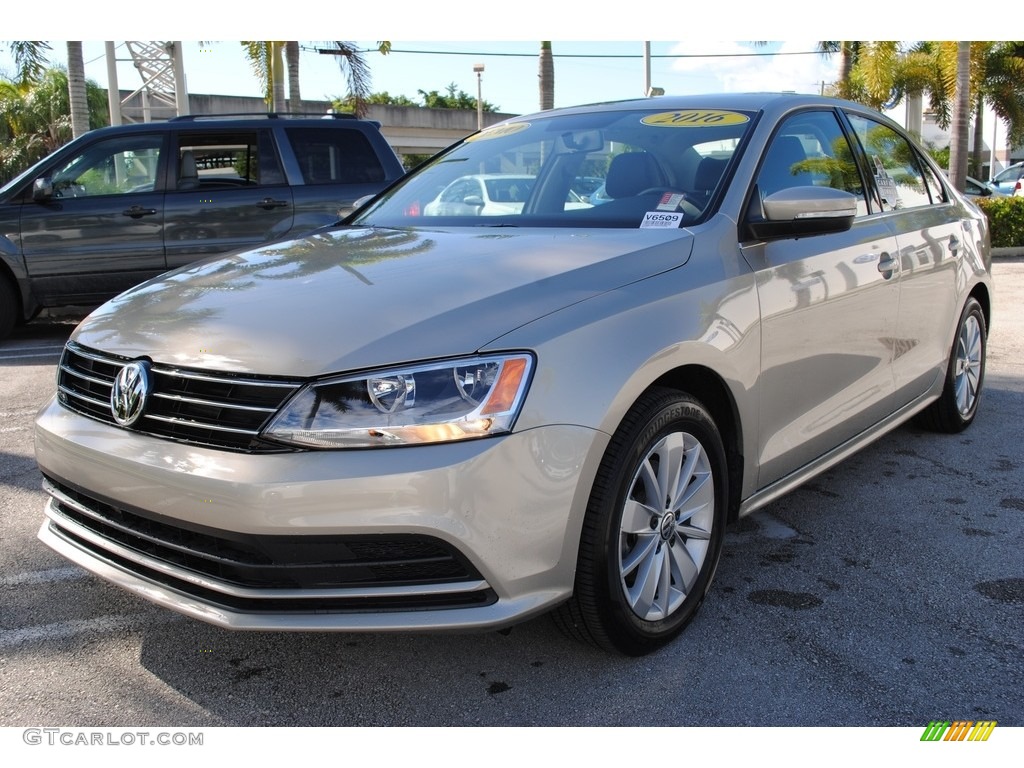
(965,373)
(654,527)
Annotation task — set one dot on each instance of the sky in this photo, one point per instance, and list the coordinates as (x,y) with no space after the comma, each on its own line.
(584,71)
(598,52)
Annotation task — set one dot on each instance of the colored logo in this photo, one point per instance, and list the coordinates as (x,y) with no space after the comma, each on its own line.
(130,392)
(958,730)
(695,118)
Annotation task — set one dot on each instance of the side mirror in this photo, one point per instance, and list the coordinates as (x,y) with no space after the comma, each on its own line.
(802,211)
(474,200)
(42,189)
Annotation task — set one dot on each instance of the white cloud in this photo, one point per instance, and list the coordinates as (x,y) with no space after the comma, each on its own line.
(712,67)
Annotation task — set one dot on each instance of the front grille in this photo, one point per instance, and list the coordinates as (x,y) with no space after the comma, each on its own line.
(257,573)
(191,406)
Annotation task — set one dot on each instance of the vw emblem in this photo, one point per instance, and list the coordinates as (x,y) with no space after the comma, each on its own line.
(130,392)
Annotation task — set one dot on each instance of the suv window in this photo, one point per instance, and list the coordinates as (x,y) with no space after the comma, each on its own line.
(335,157)
(119,166)
(213,160)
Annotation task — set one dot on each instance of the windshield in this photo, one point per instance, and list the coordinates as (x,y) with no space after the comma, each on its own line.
(621,169)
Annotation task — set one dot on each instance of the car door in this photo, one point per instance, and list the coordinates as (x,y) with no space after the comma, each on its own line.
(228,193)
(828,305)
(95,226)
(928,229)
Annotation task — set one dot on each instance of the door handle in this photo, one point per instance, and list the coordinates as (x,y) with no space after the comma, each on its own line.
(269,203)
(888,265)
(954,244)
(137,212)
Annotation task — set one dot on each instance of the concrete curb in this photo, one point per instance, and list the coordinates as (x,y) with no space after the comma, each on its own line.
(1007,253)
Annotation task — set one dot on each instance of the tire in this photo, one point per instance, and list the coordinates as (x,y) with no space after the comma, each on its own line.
(9,307)
(654,526)
(957,406)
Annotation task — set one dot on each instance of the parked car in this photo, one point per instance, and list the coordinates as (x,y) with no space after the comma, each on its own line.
(1010,181)
(122,204)
(975,188)
(490,194)
(425,419)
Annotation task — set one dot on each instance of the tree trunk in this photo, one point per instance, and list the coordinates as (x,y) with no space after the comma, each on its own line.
(76,90)
(291,55)
(277,76)
(961,118)
(547,76)
(979,141)
(846,60)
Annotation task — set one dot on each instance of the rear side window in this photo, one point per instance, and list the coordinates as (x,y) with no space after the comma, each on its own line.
(332,156)
(223,160)
(899,173)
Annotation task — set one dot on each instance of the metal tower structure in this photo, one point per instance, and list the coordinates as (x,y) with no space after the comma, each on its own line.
(163,93)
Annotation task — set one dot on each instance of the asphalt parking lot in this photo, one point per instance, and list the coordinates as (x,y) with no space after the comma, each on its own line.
(887,592)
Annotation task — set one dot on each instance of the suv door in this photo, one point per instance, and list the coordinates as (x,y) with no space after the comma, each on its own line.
(95,226)
(828,305)
(227,192)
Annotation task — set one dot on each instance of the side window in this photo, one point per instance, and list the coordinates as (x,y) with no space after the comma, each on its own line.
(226,159)
(895,164)
(810,149)
(333,156)
(121,166)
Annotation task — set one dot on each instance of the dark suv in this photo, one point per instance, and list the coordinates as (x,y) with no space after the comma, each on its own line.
(122,204)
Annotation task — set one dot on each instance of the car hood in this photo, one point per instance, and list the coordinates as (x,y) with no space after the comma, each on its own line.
(356,297)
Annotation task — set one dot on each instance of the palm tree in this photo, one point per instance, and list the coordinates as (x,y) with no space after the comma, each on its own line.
(35,118)
(547,76)
(76,89)
(961,118)
(291,57)
(30,59)
(267,60)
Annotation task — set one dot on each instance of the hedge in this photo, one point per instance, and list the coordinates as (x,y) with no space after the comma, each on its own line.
(1006,220)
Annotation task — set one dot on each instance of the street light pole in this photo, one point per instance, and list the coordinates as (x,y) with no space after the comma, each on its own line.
(479,69)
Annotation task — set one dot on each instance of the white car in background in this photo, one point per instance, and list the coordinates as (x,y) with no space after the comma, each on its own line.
(490,194)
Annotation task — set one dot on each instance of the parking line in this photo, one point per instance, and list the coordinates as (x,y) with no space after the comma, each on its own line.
(48,576)
(15,638)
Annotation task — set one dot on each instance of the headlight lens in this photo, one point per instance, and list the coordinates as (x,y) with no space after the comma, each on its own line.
(431,403)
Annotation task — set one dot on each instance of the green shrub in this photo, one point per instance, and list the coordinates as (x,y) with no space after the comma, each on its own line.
(1006,220)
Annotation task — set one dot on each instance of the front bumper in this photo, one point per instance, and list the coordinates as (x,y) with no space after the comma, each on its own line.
(472,535)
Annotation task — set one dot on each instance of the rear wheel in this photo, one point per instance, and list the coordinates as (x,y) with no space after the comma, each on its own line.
(957,406)
(654,527)
(9,306)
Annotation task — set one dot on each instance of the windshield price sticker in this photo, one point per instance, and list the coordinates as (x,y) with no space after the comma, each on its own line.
(661,220)
(695,118)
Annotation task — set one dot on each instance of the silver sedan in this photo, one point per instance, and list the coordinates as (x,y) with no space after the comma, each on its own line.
(427,419)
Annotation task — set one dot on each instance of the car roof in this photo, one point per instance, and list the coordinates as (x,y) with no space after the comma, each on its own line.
(246,120)
(751,102)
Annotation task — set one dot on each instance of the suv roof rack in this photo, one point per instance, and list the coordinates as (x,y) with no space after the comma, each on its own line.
(269,115)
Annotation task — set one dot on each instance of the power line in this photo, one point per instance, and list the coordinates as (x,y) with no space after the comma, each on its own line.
(582,55)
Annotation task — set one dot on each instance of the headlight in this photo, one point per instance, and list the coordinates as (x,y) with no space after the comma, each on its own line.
(430,403)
